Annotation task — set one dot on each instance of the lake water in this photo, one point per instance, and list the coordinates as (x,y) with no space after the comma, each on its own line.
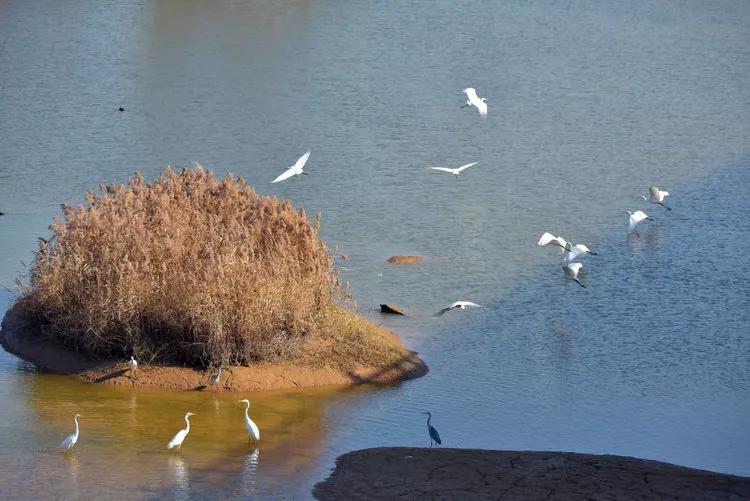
(590,103)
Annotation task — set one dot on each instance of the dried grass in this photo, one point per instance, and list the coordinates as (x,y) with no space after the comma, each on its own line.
(195,270)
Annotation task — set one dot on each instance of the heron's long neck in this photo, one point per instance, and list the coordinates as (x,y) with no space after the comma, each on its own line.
(429,416)
(187,420)
(75,419)
(247,410)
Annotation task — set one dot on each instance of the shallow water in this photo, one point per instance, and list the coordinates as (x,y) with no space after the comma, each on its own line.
(590,103)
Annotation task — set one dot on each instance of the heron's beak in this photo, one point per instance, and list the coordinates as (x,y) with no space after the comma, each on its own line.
(305,174)
(593,253)
(651,219)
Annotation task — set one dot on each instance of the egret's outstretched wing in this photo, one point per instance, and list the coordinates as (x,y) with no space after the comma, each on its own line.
(285,175)
(466,303)
(302,161)
(466,166)
(444,169)
(444,311)
(471,93)
(639,216)
(546,238)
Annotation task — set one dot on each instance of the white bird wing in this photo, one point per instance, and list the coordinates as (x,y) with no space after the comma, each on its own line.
(466,303)
(285,175)
(444,169)
(302,161)
(252,429)
(572,254)
(571,270)
(466,166)
(546,238)
(639,216)
(471,93)
(482,107)
(177,439)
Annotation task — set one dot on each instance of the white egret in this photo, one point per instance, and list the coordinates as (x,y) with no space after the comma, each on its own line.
(71,439)
(133,364)
(215,377)
(571,272)
(434,435)
(576,251)
(472,99)
(458,304)
(657,196)
(295,169)
(455,172)
(252,429)
(549,239)
(635,218)
(180,436)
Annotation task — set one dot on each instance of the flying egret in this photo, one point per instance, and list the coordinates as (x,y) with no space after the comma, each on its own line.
(455,172)
(295,169)
(458,304)
(71,439)
(215,377)
(252,429)
(473,100)
(657,196)
(635,218)
(180,436)
(434,435)
(549,239)
(133,364)
(571,272)
(576,251)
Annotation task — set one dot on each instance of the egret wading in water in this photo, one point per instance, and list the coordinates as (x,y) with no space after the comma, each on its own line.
(577,251)
(71,439)
(657,196)
(295,169)
(252,429)
(472,99)
(635,218)
(455,172)
(180,436)
(461,305)
(571,272)
(215,377)
(434,435)
(549,239)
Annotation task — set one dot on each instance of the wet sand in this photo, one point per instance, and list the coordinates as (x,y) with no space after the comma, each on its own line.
(19,338)
(421,473)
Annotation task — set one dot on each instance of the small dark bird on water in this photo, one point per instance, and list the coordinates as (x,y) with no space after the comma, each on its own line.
(434,435)
(2,213)
(120,109)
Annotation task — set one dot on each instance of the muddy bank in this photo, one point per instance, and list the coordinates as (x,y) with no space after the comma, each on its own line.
(414,473)
(19,338)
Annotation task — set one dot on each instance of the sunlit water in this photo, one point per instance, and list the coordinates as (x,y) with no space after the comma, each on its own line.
(590,103)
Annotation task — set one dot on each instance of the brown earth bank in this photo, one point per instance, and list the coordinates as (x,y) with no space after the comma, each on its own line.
(418,473)
(405,259)
(19,338)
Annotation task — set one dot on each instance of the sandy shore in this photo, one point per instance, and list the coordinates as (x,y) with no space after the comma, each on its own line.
(414,473)
(20,339)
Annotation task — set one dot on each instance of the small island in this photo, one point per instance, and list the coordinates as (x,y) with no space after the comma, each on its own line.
(189,273)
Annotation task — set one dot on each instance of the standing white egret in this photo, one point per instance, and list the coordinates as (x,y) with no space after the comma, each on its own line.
(252,429)
(458,304)
(180,435)
(571,272)
(576,251)
(434,435)
(549,239)
(215,377)
(472,99)
(455,172)
(295,169)
(133,364)
(71,439)
(657,196)
(635,218)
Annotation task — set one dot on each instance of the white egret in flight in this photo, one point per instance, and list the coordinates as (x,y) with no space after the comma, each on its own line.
(295,169)
(635,218)
(549,239)
(180,436)
(473,100)
(458,304)
(252,429)
(657,196)
(455,172)
(71,439)
(576,251)
(434,435)
(571,272)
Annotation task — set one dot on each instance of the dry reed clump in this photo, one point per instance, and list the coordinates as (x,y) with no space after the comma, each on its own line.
(191,269)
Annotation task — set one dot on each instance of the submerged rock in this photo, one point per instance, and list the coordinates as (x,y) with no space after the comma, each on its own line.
(405,259)
(391,308)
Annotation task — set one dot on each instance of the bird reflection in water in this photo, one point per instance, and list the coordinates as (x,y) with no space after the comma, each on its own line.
(180,477)
(250,471)
(73,467)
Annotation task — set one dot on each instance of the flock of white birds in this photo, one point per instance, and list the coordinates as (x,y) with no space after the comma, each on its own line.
(571,269)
